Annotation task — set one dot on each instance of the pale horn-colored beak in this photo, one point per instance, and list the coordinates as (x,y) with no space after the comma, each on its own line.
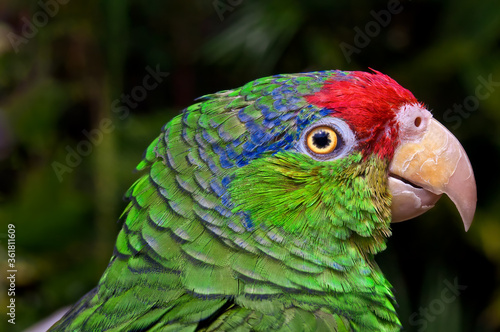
(423,170)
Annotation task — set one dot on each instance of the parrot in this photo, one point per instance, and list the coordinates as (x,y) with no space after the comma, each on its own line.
(262,208)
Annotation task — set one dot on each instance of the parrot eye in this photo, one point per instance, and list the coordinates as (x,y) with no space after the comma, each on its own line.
(322,140)
(328,138)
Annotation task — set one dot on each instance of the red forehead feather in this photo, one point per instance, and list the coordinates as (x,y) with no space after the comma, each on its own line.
(367,102)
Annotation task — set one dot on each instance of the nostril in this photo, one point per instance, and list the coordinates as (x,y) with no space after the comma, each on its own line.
(418,121)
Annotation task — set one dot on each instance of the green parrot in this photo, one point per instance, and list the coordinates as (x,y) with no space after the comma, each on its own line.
(261,209)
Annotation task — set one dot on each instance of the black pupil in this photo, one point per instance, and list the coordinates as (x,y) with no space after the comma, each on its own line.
(321,139)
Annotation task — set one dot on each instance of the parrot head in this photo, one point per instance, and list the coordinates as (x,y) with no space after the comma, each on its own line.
(351,155)
(426,160)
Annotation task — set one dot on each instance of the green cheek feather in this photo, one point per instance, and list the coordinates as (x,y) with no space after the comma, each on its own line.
(307,198)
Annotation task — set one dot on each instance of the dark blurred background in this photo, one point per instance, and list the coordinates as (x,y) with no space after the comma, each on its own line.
(76,116)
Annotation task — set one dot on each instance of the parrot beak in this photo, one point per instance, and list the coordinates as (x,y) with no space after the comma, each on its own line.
(421,171)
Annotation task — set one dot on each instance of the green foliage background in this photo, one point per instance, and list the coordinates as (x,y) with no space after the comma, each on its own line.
(65,77)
